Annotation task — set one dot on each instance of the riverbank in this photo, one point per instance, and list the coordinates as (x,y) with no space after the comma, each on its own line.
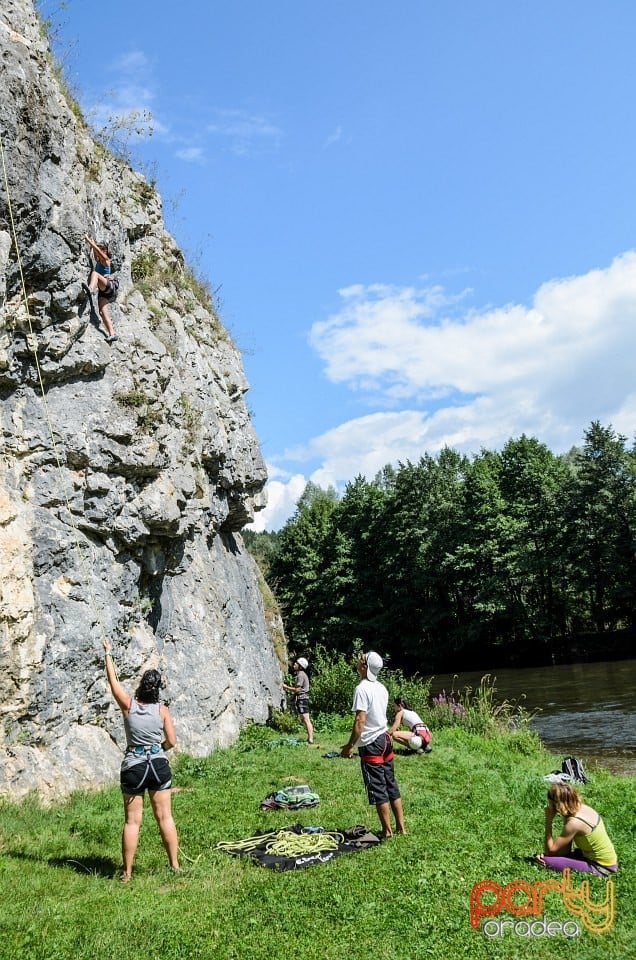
(474,811)
(582,709)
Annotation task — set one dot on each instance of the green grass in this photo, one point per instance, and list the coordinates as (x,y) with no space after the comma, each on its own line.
(474,811)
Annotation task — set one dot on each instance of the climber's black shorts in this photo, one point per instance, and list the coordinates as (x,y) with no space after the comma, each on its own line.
(153,775)
(110,291)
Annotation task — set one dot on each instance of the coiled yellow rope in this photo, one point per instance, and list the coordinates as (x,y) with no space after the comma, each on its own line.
(289,844)
(285,843)
(245,846)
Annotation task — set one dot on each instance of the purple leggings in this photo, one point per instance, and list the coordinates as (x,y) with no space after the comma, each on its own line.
(576,861)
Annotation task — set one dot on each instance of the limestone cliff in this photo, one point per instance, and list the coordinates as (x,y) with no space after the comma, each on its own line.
(126,470)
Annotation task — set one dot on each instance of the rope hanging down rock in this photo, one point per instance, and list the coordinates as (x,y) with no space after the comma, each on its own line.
(33,347)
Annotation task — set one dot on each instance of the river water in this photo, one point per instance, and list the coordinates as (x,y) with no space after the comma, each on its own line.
(587,710)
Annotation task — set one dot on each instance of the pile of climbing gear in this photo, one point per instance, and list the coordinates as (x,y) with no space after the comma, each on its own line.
(291,798)
(296,847)
(284,742)
(361,837)
(572,771)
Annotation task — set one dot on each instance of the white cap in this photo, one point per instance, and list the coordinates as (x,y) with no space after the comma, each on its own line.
(374,665)
(302,662)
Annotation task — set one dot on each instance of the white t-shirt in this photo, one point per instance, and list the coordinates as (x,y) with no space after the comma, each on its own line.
(372,697)
(410,718)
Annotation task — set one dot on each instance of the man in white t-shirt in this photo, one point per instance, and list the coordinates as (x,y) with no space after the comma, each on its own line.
(370,734)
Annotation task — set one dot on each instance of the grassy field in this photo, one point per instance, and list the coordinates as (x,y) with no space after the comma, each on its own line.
(474,811)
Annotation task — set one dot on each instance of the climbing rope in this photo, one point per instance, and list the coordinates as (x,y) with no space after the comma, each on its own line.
(289,844)
(284,843)
(245,846)
(186,857)
(32,344)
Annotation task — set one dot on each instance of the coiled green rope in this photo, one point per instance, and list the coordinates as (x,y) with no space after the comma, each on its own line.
(289,844)
(285,843)
(245,846)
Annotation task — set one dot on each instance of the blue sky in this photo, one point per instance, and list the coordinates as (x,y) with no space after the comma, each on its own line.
(420,215)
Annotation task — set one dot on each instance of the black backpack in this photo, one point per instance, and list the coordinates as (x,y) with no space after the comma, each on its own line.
(575,770)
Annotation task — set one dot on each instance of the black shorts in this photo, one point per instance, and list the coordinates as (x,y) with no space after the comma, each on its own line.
(110,291)
(302,704)
(147,775)
(376,760)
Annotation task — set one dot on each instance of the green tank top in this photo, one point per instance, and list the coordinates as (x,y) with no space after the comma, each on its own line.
(596,845)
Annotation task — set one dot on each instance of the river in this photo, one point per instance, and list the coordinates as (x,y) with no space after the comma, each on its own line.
(586,710)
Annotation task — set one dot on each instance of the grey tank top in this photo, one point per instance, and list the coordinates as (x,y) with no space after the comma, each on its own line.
(144,728)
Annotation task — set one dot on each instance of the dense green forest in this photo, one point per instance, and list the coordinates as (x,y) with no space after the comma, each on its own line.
(515,557)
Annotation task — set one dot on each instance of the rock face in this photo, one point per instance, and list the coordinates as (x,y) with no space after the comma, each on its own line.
(126,470)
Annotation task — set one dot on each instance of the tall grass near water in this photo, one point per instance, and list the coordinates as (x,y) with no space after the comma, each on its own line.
(476,709)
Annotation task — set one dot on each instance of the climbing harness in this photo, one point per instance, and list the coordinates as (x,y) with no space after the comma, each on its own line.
(148,753)
(140,751)
(33,347)
(423,732)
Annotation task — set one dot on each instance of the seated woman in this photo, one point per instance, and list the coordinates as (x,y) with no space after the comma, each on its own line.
(416,727)
(583,827)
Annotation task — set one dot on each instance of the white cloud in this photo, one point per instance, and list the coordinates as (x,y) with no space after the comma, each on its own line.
(410,343)
(474,379)
(624,421)
(407,343)
(191,155)
(334,137)
(282,497)
(134,62)
(366,444)
(245,132)
(440,374)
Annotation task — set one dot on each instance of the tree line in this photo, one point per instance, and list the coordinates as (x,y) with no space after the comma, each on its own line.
(515,557)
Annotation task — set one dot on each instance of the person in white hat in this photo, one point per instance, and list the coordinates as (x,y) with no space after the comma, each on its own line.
(369,733)
(301,689)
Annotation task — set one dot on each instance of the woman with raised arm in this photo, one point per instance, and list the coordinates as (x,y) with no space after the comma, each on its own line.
(149,733)
(103,283)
